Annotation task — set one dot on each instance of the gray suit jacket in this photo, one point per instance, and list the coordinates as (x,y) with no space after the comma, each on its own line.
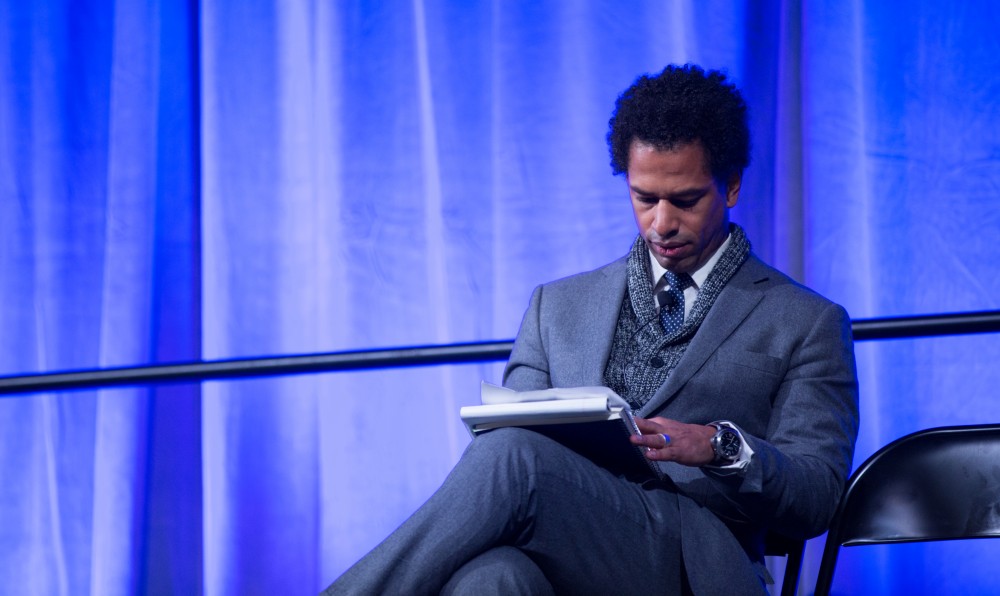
(773,357)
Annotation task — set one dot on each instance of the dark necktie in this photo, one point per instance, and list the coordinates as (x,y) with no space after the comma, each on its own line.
(671,300)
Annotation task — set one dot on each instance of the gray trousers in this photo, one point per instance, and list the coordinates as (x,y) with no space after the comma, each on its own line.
(521,514)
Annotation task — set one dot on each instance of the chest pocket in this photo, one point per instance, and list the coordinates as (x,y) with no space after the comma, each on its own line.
(755,360)
(739,384)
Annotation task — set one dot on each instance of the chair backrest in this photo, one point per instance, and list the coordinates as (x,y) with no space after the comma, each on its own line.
(935,484)
(776,545)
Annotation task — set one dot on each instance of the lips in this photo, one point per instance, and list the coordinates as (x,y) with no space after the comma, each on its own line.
(670,249)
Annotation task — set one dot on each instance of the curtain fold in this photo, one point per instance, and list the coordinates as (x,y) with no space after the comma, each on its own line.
(221,179)
(100,267)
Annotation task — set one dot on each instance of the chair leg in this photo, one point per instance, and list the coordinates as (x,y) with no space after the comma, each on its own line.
(824,581)
(793,567)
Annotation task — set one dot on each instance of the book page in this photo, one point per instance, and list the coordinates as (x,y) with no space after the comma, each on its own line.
(492,394)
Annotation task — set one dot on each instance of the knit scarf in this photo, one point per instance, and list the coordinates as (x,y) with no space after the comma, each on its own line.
(642,354)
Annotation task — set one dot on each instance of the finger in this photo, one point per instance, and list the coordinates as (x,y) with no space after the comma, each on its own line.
(649,441)
(652,441)
(647,427)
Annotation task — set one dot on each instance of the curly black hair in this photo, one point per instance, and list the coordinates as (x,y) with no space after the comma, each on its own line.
(681,105)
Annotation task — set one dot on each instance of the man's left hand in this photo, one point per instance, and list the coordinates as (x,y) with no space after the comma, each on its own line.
(688,444)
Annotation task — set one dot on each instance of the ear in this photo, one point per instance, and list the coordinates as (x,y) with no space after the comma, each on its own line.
(733,189)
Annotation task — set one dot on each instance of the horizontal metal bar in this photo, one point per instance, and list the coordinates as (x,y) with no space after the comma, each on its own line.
(863,329)
(258,367)
(987,321)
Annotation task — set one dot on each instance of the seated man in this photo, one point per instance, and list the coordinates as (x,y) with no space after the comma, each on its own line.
(745,381)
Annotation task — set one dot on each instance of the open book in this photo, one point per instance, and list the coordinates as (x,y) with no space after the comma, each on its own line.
(593,421)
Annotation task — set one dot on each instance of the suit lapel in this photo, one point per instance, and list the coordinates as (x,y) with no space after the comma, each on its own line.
(731,308)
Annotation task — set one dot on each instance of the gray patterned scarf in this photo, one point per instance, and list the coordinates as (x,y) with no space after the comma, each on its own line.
(642,355)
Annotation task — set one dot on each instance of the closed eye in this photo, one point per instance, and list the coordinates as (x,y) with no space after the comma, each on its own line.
(686,199)
(684,204)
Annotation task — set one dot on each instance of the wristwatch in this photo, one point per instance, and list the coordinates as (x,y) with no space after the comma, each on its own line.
(727,444)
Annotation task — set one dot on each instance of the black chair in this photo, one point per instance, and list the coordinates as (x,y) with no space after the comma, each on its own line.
(935,484)
(776,545)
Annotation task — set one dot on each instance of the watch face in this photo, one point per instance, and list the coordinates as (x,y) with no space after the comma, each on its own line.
(729,444)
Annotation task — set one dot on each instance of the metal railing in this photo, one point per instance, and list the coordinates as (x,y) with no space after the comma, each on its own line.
(239,368)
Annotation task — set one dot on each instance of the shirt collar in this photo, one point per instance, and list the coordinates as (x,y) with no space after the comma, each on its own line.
(698,276)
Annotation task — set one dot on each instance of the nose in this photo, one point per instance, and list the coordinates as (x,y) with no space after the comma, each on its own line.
(664,218)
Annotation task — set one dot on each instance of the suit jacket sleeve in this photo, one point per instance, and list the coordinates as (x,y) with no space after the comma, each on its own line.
(802,456)
(528,368)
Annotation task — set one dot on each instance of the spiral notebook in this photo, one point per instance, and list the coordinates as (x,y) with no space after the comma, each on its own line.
(593,421)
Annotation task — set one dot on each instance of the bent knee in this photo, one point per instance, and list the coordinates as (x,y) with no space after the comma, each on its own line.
(502,570)
(522,450)
(512,439)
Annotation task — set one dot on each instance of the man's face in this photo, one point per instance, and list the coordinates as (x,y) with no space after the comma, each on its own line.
(681,211)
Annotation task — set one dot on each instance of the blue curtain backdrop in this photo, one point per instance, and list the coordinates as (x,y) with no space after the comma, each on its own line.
(230,178)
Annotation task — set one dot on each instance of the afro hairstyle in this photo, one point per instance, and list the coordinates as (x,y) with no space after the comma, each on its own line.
(681,105)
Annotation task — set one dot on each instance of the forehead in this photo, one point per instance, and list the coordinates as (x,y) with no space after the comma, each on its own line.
(686,160)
